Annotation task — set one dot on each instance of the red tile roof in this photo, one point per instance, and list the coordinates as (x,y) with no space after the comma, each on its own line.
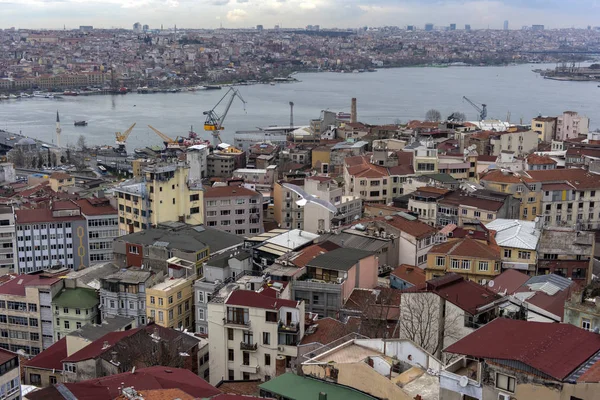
(510,280)
(411,274)
(42,215)
(462,199)
(535,159)
(309,253)
(467,247)
(6,355)
(554,349)
(60,175)
(328,330)
(415,228)
(17,285)
(94,206)
(592,375)
(96,348)
(249,298)
(579,178)
(501,176)
(229,191)
(51,358)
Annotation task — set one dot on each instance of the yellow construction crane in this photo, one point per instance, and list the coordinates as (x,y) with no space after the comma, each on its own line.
(214,121)
(121,139)
(169,143)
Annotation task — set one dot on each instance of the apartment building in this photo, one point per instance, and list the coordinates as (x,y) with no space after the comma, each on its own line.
(318,219)
(475,257)
(286,212)
(153,247)
(425,159)
(171,303)
(10,375)
(124,293)
(220,165)
(234,209)
(424,202)
(371,182)
(521,186)
(519,142)
(60,181)
(165,194)
(26,321)
(73,308)
(330,278)
(102,227)
(250,333)
(461,208)
(518,241)
(52,236)
(566,252)
(461,167)
(8,242)
(262,179)
(570,125)
(197,158)
(545,127)
(535,162)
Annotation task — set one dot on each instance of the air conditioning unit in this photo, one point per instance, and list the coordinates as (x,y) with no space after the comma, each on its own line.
(503,396)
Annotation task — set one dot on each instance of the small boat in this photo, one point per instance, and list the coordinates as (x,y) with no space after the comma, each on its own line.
(3,97)
(80,123)
(12,97)
(272,83)
(49,96)
(212,87)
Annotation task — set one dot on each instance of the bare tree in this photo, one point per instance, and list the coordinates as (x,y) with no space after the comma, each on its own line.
(457,116)
(433,115)
(422,321)
(81,143)
(18,156)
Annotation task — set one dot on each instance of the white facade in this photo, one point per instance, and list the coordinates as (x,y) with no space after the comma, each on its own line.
(7,173)
(102,230)
(262,178)
(520,143)
(569,125)
(8,245)
(197,158)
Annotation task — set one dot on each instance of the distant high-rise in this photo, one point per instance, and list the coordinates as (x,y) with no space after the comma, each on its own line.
(410,28)
(467,27)
(452,27)
(537,27)
(428,27)
(146,28)
(259,28)
(506,25)
(137,27)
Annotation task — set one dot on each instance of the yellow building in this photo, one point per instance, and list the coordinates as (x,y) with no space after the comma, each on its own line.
(545,127)
(474,259)
(522,186)
(321,159)
(171,303)
(518,241)
(163,194)
(60,180)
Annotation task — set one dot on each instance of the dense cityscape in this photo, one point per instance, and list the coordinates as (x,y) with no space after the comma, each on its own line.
(332,258)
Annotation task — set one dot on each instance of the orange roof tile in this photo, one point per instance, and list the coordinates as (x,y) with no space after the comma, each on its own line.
(467,247)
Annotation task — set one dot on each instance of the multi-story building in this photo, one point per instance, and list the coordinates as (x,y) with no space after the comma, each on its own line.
(518,241)
(124,293)
(52,236)
(521,186)
(220,165)
(153,247)
(461,208)
(261,179)
(567,252)
(10,375)
(545,127)
(475,257)
(582,310)
(330,278)
(26,321)
(197,158)
(72,309)
(171,303)
(234,209)
(569,125)
(424,202)
(250,332)
(286,212)
(102,227)
(8,242)
(60,181)
(535,162)
(519,142)
(165,194)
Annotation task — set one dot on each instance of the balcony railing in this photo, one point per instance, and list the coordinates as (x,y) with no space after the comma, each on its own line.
(291,327)
(248,346)
(237,323)
(251,369)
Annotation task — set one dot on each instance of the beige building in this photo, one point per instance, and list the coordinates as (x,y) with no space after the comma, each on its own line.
(166,194)
(170,303)
(520,142)
(251,332)
(59,181)
(545,127)
(10,376)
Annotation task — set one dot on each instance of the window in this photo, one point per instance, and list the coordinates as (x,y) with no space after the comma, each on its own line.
(466,264)
(267,338)
(271,316)
(161,316)
(230,355)
(507,253)
(35,379)
(53,380)
(200,297)
(477,214)
(201,314)
(267,359)
(170,299)
(245,358)
(194,210)
(524,255)
(78,325)
(67,326)
(152,300)
(230,374)
(70,367)
(134,250)
(455,264)
(194,197)
(229,334)
(505,382)
(77,311)
(464,211)
(585,324)
(483,265)
(170,314)
(160,301)
(440,261)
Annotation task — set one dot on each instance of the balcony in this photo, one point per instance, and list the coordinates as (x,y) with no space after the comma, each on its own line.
(250,368)
(292,327)
(463,377)
(236,324)
(248,346)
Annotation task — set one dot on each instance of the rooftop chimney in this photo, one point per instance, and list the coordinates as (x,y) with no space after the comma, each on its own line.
(353,116)
(322,396)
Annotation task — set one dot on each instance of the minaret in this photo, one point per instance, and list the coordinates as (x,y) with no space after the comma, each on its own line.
(58,130)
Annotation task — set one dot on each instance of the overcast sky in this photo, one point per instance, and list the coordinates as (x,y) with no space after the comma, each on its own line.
(296,13)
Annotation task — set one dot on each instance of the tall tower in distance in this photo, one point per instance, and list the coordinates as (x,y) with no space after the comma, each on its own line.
(506,25)
(58,129)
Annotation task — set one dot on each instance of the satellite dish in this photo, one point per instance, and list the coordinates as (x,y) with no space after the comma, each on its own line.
(484,282)
(464,381)
(491,284)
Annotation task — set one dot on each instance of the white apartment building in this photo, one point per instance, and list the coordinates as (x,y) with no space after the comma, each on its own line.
(102,227)
(234,209)
(197,159)
(251,332)
(569,125)
(262,179)
(520,143)
(8,244)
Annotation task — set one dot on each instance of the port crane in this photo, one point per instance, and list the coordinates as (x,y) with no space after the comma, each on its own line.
(169,143)
(121,139)
(214,121)
(482,110)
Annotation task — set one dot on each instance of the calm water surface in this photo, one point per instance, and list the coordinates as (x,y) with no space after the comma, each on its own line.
(383,97)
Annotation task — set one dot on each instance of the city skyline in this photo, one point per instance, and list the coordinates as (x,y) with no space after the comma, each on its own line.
(56,14)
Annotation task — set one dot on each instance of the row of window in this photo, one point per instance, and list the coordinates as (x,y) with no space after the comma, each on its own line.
(161,300)
(44,247)
(77,310)
(228,202)
(103,222)
(46,258)
(43,226)
(14,320)
(21,335)
(461,264)
(37,238)
(67,324)
(171,312)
